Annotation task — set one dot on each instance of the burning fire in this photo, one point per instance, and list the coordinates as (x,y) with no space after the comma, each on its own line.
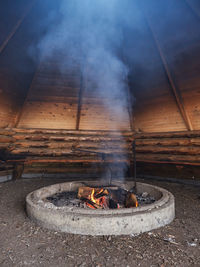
(100,198)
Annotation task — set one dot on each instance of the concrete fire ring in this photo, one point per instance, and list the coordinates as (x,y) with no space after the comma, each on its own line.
(126,221)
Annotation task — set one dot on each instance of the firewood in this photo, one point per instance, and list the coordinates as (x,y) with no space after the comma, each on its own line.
(85,192)
(131,200)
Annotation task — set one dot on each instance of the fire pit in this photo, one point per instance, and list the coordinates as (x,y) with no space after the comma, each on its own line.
(73,218)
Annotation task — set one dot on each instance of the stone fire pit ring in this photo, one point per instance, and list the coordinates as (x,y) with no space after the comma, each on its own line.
(125,221)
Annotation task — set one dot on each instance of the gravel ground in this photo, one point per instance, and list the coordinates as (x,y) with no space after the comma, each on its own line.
(22,243)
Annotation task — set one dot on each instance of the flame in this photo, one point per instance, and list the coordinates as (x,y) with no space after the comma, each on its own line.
(92,197)
(90,206)
(100,198)
(100,201)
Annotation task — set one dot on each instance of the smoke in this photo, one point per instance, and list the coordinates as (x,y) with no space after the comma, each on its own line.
(112,38)
(91,33)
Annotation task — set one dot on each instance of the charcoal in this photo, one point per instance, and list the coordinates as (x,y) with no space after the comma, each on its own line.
(115,199)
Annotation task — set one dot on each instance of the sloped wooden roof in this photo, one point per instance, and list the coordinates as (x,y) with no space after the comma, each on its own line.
(164,59)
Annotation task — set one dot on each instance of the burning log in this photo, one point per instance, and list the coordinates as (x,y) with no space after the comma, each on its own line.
(94,197)
(87,192)
(131,200)
(103,198)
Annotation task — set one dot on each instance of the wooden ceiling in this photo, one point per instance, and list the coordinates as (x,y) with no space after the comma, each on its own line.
(163,56)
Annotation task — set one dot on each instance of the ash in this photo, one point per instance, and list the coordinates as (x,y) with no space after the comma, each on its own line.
(70,199)
(65,199)
(144,199)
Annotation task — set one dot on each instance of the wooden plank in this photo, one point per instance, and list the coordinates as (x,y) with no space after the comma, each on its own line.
(172,150)
(128,91)
(188,134)
(169,142)
(176,93)
(64,152)
(81,145)
(72,132)
(52,101)
(192,7)
(20,113)
(80,98)
(16,27)
(151,157)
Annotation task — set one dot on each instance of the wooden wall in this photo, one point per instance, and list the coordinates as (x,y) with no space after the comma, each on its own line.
(53,96)
(179,40)
(56,94)
(154,47)
(99,112)
(171,154)
(58,151)
(17,63)
(163,48)
(175,154)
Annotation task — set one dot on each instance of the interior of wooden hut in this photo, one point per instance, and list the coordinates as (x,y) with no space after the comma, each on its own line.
(50,104)
(99,91)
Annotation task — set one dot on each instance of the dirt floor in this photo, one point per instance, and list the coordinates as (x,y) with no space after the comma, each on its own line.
(22,243)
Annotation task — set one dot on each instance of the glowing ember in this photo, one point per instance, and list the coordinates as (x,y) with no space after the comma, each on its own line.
(105,198)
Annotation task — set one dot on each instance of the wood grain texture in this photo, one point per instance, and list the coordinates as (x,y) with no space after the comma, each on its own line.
(53,98)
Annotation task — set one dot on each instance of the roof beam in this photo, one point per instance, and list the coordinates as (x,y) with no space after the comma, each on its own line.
(16,27)
(129,97)
(20,113)
(194,10)
(80,98)
(175,91)
(130,107)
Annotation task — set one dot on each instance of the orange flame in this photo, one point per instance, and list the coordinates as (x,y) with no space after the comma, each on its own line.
(92,197)
(100,201)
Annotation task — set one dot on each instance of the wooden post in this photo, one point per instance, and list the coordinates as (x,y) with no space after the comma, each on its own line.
(18,170)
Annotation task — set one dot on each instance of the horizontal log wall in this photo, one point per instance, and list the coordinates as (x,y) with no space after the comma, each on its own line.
(169,154)
(55,151)
(177,147)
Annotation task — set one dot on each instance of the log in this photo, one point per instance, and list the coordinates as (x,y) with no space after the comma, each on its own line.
(65,152)
(174,147)
(4,145)
(131,200)
(68,160)
(88,143)
(169,142)
(167,135)
(167,158)
(85,192)
(69,138)
(175,150)
(6,139)
(6,132)
(75,133)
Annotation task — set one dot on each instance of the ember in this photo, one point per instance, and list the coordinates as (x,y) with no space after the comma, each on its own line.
(101,198)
